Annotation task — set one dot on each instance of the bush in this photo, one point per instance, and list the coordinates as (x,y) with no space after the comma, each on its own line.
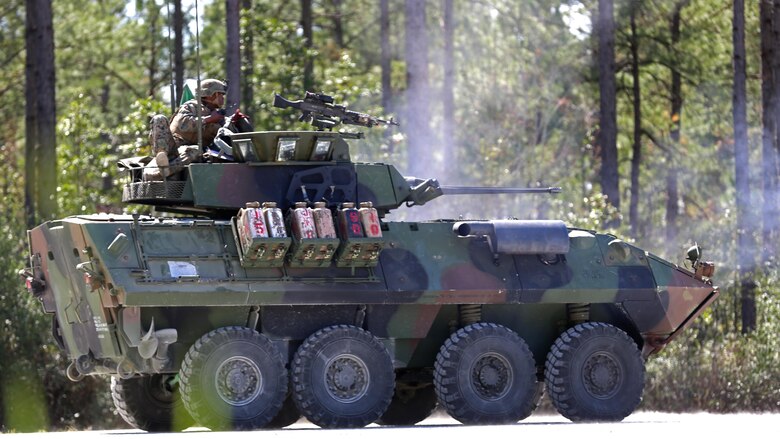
(713,368)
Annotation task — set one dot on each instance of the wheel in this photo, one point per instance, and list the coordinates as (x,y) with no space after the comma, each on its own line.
(233,378)
(150,403)
(595,372)
(342,377)
(485,374)
(413,401)
(288,415)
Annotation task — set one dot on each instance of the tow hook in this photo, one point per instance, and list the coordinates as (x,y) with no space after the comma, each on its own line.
(81,367)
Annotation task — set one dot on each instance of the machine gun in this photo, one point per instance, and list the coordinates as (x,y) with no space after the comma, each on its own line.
(319,110)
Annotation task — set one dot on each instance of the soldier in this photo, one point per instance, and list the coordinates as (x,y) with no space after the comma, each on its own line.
(177,146)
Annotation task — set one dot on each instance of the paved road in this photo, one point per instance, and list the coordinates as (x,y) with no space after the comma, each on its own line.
(637,426)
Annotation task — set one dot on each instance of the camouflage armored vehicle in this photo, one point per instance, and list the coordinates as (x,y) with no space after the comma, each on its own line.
(255,307)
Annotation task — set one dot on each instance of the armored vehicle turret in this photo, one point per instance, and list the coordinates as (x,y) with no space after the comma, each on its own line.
(283,290)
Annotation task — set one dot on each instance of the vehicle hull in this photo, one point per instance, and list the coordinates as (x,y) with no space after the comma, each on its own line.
(109,280)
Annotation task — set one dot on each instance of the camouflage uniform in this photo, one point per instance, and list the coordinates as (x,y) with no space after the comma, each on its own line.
(170,156)
(179,142)
(160,136)
(185,124)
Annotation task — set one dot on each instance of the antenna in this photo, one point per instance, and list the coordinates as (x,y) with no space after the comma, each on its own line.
(197,86)
(171,48)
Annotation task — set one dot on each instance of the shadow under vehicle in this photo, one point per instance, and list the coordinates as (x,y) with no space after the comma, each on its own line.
(236,315)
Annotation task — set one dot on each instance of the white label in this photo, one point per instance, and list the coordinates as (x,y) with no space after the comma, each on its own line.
(100,325)
(180,268)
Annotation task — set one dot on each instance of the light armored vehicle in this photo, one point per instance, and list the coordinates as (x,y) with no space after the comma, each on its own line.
(282,289)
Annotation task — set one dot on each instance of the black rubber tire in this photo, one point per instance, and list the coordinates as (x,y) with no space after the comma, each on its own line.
(150,403)
(486,374)
(287,416)
(594,373)
(342,377)
(233,378)
(409,405)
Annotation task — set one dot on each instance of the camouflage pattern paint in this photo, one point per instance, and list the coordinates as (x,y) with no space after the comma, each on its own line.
(114,283)
(195,263)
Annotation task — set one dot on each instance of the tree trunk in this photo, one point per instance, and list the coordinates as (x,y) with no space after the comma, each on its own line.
(385,61)
(105,98)
(248,63)
(448,87)
(742,167)
(768,152)
(232,56)
(774,161)
(154,14)
(636,156)
(417,89)
(672,187)
(178,50)
(30,120)
(338,24)
(607,135)
(308,35)
(40,114)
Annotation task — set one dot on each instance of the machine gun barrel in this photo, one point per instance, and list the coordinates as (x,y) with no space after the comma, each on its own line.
(472,190)
(319,110)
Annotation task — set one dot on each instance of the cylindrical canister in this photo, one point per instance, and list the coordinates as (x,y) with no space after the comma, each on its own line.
(370,220)
(253,222)
(323,221)
(303,222)
(274,220)
(349,221)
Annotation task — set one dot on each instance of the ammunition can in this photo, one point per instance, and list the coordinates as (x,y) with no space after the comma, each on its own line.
(349,222)
(323,221)
(302,222)
(370,220)
(274,220)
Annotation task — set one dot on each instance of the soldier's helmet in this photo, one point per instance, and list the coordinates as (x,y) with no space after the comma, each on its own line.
(210,86)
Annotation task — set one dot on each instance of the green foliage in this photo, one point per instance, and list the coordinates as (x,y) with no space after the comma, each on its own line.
(11,56)
(280,55)
(26,410)
(525,123)
(712,367)
(22,343)
(104,58)
(34,392)
(132,135)
(526,108)
(594,213)
(86,160)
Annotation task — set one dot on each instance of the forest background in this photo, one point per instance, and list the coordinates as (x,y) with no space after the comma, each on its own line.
(658,118)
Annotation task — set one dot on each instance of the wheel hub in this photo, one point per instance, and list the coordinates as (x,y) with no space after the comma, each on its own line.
(491,376)
(238,381)
(346,378)
(602,375)
(161,388)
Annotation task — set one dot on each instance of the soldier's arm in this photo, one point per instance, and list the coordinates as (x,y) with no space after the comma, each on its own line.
(214,117)
(189,118)
(186,120)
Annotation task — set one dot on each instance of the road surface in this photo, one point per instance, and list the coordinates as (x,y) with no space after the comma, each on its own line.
(637,426)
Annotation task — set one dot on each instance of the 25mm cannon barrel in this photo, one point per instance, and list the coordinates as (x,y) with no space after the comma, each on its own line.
(426,190)
(472,190)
